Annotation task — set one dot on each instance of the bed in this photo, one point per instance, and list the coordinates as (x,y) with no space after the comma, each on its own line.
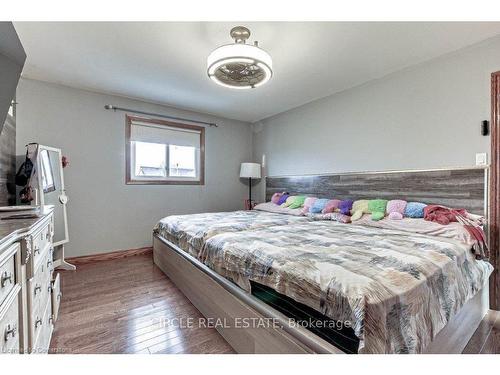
(190,232)
(401,292)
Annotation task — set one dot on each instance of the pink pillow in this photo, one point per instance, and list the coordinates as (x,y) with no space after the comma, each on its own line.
(308,203)
(331,206)
(276,197)
(396,209)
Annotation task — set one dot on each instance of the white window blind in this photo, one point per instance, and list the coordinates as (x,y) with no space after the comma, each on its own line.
(144,132)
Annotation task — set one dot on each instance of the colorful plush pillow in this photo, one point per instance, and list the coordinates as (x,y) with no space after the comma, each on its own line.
(415,210)
(308,203)
(345,207)
(298,202)
(282,199)
(276,197)
(396,209)
(289,201)
(331,206)
(318,206)
(359,208)
(377,208)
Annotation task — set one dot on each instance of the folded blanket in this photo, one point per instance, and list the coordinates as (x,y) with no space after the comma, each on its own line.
(442,215)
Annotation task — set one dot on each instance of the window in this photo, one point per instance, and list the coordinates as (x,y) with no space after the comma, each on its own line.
(162,152)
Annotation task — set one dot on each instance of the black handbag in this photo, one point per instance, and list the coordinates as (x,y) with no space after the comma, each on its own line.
(24,173)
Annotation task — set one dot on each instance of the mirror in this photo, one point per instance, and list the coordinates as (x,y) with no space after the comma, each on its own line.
(51,188)
(47,173)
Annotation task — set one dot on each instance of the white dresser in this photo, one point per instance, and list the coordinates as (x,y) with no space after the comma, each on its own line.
(29,289)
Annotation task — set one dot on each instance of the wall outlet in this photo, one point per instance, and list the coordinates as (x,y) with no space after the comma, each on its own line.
(481,158)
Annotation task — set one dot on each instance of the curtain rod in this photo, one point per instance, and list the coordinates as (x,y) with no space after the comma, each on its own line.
(112,107)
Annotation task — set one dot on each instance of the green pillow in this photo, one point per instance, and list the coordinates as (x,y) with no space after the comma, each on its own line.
(298,202)
(289,201)
(377,208)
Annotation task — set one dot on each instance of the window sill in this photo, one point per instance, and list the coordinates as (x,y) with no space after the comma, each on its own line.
(165,182)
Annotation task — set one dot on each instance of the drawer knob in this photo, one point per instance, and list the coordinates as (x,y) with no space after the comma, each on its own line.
(38,322)
(10,332)
(37,288)
(6,277)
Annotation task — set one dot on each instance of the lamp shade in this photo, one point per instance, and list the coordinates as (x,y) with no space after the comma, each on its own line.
(250,170)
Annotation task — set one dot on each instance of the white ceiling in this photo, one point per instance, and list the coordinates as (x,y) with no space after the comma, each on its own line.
(165,62)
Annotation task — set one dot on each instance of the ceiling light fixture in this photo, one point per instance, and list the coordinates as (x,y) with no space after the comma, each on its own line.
(240,65)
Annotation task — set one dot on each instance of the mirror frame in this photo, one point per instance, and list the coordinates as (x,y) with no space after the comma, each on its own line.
(41,196)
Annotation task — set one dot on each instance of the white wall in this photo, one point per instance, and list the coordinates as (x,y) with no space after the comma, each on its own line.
(104,213)
(424,117)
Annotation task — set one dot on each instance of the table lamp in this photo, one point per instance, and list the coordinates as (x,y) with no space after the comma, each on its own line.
(249,170)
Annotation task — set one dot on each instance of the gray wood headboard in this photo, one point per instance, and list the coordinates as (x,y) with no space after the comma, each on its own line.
(458,187)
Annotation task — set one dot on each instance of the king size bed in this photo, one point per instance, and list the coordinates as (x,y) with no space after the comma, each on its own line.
(320,286)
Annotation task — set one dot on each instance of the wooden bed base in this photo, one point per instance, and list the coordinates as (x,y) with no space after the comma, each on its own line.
(229,308)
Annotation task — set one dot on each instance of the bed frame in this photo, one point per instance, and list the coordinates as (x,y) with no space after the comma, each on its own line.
(228,307)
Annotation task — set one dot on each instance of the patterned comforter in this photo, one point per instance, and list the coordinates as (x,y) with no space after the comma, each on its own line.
(190,232)
(397,289)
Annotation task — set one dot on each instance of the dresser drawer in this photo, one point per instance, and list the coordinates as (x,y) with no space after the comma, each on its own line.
(56,296)
(39,289)
(36,246)
(9,323)
(8,277)
(43,328)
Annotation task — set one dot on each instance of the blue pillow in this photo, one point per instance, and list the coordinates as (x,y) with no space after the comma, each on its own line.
(318,206)
(415,210)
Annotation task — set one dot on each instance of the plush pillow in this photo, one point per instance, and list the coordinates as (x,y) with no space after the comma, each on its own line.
(283,199)
(308,203)
(289,201)
(415,210)
(345,207)
(331,206)
(359,208)
(332,216)
(318,206)
(298,202)
(396,209)
(377,208)
(276,197)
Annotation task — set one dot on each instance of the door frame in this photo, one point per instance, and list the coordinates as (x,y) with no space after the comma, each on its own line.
(494,196)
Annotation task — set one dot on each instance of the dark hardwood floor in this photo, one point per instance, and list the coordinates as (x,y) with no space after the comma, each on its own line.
(122,306)
(486,339)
